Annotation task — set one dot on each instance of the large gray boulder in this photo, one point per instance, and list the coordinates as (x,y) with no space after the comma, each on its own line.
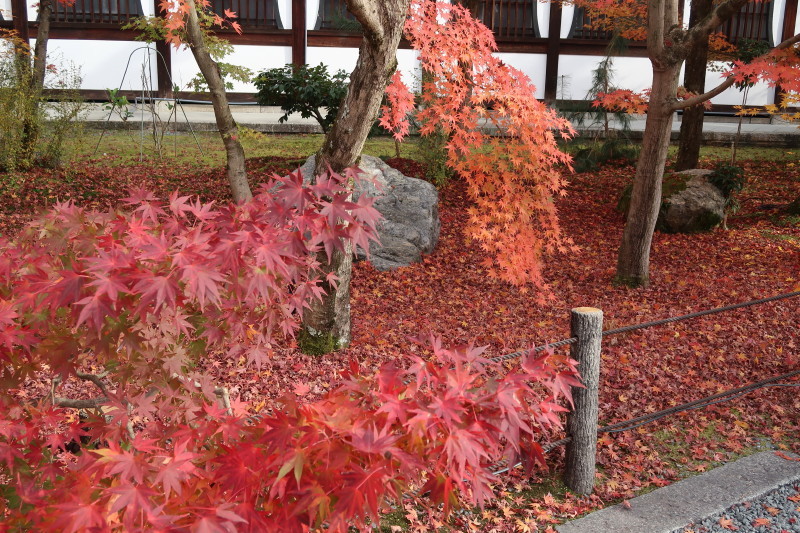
(693,204)
(410,209)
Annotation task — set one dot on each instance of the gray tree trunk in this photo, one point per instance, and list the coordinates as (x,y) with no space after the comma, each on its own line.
(228,129)
(633,262)
(42,39)
(581,451)
(326,327)
(694,79)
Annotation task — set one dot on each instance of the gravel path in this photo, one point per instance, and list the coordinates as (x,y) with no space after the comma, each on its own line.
(777,511)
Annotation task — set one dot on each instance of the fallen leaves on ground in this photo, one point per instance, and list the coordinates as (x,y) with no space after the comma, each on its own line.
(449,294)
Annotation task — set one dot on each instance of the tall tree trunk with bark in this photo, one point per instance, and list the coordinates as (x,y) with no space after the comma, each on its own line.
(694,79)
(326,327)
(634,254)
(668,45)
(228,129)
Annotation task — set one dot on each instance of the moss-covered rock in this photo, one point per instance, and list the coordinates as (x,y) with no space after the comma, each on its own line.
(690,203)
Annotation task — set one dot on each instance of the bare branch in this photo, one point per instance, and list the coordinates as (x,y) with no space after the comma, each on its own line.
(366,12)
(97,379)
(700,98)
(91,403)
(129,424)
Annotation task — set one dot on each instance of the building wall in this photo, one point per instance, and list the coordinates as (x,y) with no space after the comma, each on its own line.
(104,62)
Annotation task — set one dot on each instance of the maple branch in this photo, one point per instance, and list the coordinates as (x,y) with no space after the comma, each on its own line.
(721,13)
(220,392)
(700,98)
(97,379)
(92,403)
(225,398)
(366,12)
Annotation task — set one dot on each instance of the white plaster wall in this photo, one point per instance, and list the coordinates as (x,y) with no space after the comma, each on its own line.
(543,18)
(103,63)
(312,9)
(256,58)
(632,73)
(759,94)
(409,66)
(5,9)
(797,22)
(533,65)
(346,58)
(334,58)
(285,10)
(568,11)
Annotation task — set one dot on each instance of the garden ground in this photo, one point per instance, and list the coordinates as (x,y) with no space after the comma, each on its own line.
(449,295)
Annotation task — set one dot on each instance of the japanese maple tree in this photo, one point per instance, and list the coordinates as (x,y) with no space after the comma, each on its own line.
(502,140)
(128,300)
(668,46)
(512,178)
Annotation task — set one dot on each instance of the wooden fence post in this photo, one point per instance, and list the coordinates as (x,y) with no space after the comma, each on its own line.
(587,326)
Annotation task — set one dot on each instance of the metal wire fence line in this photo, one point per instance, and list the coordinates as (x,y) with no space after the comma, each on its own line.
(661,322)
(636,422)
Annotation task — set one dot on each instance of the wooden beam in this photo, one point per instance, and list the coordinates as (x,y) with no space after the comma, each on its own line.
(553,46)
(164,69)
(299,33)
(19,14)
(163,60)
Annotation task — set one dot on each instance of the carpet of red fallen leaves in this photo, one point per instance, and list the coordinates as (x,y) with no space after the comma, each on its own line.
(450,295)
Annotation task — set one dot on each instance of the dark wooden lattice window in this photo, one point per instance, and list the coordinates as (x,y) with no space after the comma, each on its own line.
(754,22)
(508,19)
(97,11)
(582,27)
(260,14)
(333,15)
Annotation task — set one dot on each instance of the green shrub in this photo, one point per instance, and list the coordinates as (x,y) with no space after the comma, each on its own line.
(432,153)
(304,90)
(728,178)
(32,130)
(601,151)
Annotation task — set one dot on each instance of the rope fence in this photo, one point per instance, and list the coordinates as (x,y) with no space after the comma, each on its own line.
(582,422)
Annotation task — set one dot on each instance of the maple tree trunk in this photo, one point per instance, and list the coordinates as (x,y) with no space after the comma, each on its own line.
(326,327)
(42,38)
(30,124)
(633,262)
(581,451)
(694,80)
(228,129)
